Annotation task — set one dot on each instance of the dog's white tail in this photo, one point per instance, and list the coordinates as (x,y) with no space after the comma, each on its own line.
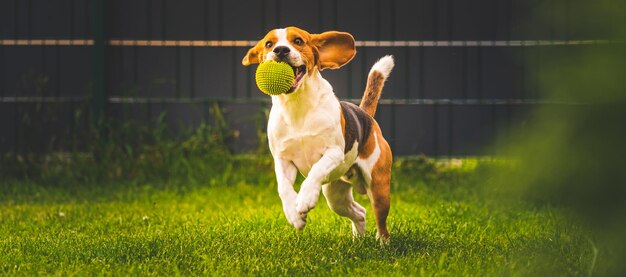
(375,83)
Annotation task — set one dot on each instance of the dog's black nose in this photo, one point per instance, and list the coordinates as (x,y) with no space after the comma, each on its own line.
(281,51)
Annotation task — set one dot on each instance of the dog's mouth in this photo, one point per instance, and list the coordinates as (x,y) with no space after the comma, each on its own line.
(299,72)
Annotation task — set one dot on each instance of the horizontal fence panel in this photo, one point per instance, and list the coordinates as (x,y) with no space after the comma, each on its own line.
(358,43)
(367,20)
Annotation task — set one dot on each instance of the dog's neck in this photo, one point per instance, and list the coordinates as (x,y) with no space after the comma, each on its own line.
(313,91)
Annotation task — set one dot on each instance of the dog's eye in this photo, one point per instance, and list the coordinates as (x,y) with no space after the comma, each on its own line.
(298,41)
(268,44)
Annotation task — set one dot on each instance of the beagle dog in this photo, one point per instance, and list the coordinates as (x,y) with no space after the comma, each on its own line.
(337,146)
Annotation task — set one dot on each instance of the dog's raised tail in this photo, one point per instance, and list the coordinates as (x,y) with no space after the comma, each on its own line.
(375,83)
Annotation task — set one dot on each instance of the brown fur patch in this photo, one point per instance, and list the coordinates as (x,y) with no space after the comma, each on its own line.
(343,124)
(370,143)
(381,188)
(375,83)
(257,53)
(334,49)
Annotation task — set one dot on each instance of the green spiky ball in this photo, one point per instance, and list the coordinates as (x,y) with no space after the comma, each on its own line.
(274,78)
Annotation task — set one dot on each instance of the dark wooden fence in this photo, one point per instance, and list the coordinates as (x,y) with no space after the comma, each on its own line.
(466,70)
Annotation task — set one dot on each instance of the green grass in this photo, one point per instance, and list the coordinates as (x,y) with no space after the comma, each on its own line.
(442,222)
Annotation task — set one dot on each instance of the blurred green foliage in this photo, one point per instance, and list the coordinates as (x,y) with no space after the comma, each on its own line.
(573,155)
(128,151)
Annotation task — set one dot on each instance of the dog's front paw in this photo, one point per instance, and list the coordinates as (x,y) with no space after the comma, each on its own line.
(299,222)
(307,199)
(295,218)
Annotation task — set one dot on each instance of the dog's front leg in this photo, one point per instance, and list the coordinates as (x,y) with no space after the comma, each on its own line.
(310,189)
(286,173)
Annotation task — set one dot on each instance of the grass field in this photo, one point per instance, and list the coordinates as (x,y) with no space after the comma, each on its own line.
(442,222)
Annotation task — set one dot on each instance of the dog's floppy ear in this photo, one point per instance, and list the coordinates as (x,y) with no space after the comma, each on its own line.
(254,54)
(335,49)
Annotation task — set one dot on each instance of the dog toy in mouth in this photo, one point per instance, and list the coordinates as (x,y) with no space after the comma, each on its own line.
(274,78)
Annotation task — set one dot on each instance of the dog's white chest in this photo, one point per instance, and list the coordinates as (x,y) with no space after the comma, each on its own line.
(304,134)
(303,141)
(306,150)
(303,151)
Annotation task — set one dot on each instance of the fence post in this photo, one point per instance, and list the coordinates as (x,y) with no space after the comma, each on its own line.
(99,63)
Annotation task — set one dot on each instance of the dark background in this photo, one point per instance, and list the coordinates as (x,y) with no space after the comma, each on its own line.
(461,97)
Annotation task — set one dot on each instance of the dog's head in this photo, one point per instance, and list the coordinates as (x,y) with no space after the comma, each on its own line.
(306,53)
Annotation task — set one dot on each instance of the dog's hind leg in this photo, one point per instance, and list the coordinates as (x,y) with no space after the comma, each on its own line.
(340,200)
(379,191)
